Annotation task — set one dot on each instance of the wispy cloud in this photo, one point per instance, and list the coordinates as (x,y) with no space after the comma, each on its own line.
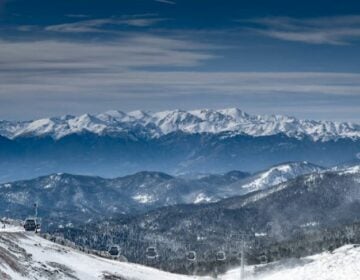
(337,30)
(27,28)
(169,2)
(134,53)
(98,25)
(137,68)
(131,51)
(141,70)
(152,68)
(78,87)
(77,16)
(133,65)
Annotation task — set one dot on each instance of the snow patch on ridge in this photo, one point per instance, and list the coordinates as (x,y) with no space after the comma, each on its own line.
(144,198)
(202,198)
(279,174)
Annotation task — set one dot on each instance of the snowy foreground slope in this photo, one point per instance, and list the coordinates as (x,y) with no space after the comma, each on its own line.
(342,264)
(25,256)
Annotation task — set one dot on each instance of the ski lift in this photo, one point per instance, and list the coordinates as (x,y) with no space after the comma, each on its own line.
(114,251)
(33,223)
(191,256)
(220,256)
(151,253)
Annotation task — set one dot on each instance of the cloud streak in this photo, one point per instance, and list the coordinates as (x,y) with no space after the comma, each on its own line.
(77,16)
(169,2)
(55,72)
(337,30)
(56,77)
(132,51)
(61,67)
(99,25)
(47,93)
(138,62)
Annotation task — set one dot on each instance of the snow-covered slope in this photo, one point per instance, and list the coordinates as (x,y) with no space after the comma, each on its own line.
(257,182)
(88,197)
(276,175)
(84,198)
(26,256)
(342,264)
(197,121)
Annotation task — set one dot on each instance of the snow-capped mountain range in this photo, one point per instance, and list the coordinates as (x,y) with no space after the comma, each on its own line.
(157,124)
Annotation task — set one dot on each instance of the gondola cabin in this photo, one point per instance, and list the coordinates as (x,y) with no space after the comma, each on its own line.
(114,251)
(220,256)
(32,224)
(263,259)
(151,253)
(191,256)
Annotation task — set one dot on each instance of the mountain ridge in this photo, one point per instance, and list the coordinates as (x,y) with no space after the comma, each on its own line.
(152,125)
(59,194)
(309,205)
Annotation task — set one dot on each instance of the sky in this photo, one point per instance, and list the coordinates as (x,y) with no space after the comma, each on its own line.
(298,58)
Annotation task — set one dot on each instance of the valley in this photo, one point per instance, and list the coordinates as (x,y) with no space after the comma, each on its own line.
(226,194)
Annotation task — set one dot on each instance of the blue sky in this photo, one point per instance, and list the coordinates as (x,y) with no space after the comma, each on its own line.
(298,58)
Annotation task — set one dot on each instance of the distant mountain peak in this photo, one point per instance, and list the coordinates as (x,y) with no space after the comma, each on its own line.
(234,112)
(139,114)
